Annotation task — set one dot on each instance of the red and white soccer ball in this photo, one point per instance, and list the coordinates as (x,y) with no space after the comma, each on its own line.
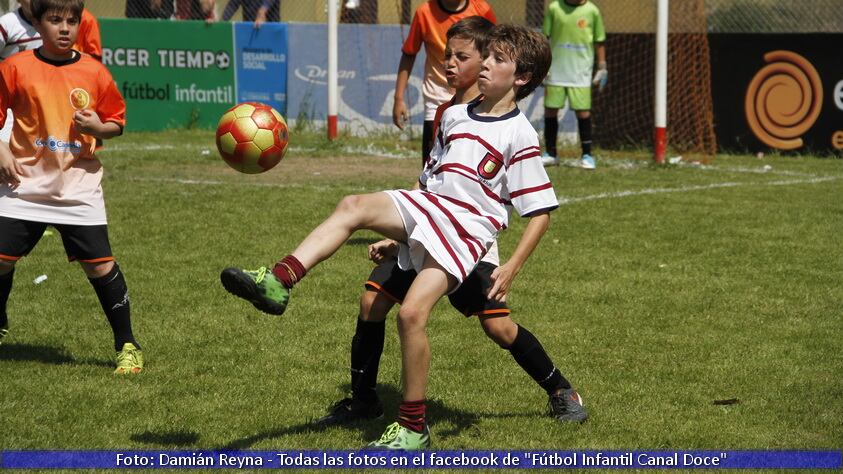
(252,137)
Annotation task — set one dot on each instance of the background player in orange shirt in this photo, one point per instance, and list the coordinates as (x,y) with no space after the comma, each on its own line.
(430,27)
(49,174)
(88,40)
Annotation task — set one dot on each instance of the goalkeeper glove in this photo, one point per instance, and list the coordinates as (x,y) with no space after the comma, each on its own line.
(600,77)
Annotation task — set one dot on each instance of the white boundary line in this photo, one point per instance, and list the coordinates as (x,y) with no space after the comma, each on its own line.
(684,189)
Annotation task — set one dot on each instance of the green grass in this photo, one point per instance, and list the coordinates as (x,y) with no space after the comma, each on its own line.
(656,290)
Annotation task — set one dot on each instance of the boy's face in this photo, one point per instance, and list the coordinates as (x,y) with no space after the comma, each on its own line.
(497,75)
(462,63)
(58,31)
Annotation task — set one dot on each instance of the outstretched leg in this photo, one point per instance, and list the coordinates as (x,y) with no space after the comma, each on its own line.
(270,292)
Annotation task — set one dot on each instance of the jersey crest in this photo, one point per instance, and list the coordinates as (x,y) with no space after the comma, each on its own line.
(489,166)
(80,99)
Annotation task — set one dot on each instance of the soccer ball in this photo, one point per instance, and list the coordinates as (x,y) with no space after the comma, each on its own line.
(252,137)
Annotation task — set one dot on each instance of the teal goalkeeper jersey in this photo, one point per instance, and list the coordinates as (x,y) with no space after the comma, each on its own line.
(572,30)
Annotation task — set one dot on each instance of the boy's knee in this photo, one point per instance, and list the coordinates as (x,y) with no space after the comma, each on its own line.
(349,204)
(411,319)
(501,330)
(583,114)
(374,306)
(98,269)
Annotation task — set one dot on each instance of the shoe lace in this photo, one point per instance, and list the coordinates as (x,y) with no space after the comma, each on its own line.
(260,274)
(391,433)
(343,404)
(127,358)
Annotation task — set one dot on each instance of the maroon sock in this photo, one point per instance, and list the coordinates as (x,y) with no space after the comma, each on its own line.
(289,270)
(411,415)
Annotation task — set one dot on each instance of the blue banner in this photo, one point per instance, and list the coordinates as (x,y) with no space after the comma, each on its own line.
(261,56)
(368,63)
(198,459)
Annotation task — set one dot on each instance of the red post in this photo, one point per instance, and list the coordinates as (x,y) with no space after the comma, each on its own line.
(332,127)
(660,144)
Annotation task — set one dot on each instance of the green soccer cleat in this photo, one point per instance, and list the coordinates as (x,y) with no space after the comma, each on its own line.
(398,438)
(129,360)
(260,287)
(3,331)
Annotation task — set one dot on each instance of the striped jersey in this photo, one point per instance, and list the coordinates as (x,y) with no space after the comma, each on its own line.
(16,34)
(61,175)
(479,166)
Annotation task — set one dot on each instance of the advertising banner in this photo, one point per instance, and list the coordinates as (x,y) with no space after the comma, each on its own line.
(778,91)
(261,57)
(172,74)
(368,63)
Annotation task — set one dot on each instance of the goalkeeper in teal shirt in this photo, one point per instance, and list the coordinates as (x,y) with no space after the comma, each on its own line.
(575,29)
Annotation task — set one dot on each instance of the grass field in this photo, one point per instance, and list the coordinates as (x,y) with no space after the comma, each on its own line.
(656,290)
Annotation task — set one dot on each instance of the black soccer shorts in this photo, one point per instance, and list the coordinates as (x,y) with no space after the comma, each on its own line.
(469,299)
(85,243)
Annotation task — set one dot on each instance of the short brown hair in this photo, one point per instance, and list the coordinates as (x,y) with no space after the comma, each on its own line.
(473,28)
(40,7)
(529,49)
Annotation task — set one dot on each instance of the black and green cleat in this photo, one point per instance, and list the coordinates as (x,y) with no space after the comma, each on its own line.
(259,287)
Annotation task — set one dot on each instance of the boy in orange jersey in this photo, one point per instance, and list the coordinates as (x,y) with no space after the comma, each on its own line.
(388,284)
(429,27)
(88,40)
(49,173)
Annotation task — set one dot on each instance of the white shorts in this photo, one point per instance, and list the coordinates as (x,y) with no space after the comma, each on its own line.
(456,241)
(6,132)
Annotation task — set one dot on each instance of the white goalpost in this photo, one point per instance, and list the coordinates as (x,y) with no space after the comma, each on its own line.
(333,82)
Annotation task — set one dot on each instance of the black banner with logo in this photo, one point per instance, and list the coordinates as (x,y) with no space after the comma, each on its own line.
(778,91)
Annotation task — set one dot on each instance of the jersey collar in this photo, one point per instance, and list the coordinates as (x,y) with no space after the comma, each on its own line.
(488,118)
(76,57)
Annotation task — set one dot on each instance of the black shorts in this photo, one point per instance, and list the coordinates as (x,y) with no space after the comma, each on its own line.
(469,299)
(86,243)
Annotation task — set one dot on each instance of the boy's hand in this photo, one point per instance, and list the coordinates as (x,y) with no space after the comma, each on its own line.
(383,250)
(87,121)
(400,115)
(10,170)
(601,77)
(502,278)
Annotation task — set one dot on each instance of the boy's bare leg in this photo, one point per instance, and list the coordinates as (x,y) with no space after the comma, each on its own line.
(374,211)
(429,286)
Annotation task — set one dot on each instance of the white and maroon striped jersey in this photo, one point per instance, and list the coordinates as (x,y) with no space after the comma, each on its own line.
(479,166)
(16,34)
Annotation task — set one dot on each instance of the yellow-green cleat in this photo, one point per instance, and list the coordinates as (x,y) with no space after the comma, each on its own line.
(259,287)
(399,438)
(129,360)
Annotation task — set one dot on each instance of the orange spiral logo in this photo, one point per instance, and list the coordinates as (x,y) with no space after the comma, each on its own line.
(783,100)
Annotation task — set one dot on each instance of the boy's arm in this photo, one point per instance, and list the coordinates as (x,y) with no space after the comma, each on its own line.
(88,122)
(505,274)
(400,115)
(9,167)
(602,74)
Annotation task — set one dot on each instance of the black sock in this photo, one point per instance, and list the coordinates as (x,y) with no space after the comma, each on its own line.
(584,125)
(5,289)
(366,350)
(114,298)
(530,355)
(551,129)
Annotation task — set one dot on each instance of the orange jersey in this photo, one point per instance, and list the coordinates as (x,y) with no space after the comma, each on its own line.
(88,40)
(430,26)
(61,175)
